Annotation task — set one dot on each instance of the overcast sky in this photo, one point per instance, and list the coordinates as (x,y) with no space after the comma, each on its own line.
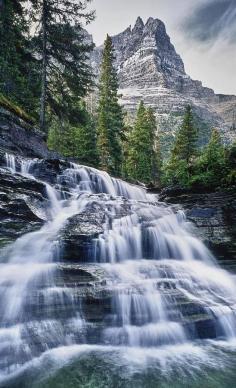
(203,32)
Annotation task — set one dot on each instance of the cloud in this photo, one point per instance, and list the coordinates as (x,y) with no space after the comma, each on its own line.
(211,21)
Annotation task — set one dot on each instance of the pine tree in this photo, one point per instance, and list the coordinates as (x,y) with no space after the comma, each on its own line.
(86,142)
(61,45)
(110,116)
(76,141)
(231,164)
(18,68)
(186,140)
(211,166)
(179,168)
(142,159)
(214,153)
(156,157)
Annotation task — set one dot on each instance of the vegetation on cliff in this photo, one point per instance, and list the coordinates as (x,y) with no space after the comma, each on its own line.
(44,62)
(189,166)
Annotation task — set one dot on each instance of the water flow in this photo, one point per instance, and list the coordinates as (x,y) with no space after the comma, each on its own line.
(10,162)
(157,273)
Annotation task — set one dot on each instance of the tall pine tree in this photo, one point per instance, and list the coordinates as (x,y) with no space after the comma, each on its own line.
(179,168)
(211,168)
(186,140)
(63,51)
(110,116)
(18,68)
(156,157)
(142,158)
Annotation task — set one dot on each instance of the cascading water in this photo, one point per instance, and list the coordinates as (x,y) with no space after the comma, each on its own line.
(153,263)
(10,162)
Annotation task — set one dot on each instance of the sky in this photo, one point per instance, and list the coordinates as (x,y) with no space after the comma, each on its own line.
(202,31)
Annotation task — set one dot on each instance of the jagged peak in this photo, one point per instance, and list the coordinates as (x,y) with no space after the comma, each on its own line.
(151,22)
(139,24)
(122,34)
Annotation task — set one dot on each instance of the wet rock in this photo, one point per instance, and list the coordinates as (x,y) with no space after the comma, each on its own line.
(17,136)
(47,170)
(79,235)
(214,215)
(22,205)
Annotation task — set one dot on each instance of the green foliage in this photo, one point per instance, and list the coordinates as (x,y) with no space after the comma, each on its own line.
(189,166)
(210,168)
(44,57)
(18,67)
(86,145)
(185,145)
(15,109)
(63,53)
(179,168)
(143,160)
(78,142)
(231,164)
(110,117)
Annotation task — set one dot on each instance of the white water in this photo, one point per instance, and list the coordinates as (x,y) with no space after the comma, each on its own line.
(10,162)
(154,266)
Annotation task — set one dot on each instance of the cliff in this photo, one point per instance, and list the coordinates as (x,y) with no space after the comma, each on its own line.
(150,69)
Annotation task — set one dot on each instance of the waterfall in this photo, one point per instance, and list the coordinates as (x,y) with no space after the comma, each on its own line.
(11,162)
(154,267)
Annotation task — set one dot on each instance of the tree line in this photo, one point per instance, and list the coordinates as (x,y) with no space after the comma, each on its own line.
(45,71)
(190,166)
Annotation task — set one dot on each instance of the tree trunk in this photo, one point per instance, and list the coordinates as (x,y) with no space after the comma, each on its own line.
(44,72)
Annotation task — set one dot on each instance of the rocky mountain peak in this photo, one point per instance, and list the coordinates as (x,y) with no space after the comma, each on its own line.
(153,24)
(139,26)
(150,69)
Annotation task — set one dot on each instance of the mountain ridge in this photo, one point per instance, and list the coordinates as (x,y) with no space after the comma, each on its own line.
(149,68)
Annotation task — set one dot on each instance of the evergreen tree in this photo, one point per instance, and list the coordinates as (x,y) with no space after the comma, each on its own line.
(186,140)
(76,141)
(142,159)
(211,166)
(179,168)
(61,45)
(231,164)
(156,157)
(110,116)
(86,141)
(18,68)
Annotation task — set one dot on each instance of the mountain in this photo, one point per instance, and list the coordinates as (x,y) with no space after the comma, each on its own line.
(149,68)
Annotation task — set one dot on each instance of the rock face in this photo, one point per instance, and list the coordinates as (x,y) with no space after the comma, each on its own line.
(20,203)
(16,136)
(214,215)
(150,69)
(80,231)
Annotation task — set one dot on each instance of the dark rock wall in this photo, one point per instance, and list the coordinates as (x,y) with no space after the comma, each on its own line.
(19,137)
(214,215)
